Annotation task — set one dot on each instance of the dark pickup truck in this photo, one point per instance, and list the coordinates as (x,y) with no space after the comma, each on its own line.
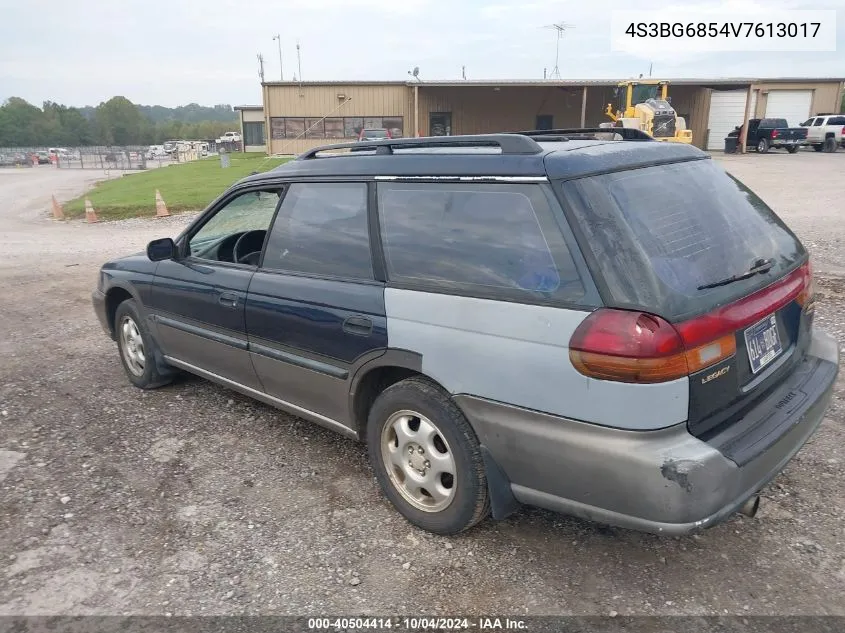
(763,134)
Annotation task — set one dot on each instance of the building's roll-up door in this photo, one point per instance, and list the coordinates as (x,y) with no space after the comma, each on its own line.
(792,105)
(727,110)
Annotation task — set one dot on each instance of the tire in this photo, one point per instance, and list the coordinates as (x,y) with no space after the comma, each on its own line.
(830,145)
(792,149)
(818,147)
(763,146)
(138,350)
(442,431)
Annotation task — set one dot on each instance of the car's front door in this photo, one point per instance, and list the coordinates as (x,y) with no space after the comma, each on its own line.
(197,301)
(314,310)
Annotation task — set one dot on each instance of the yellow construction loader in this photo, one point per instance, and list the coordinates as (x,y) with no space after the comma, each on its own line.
(644,104)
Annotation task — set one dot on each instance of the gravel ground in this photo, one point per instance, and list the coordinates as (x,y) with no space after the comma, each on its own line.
(194,500)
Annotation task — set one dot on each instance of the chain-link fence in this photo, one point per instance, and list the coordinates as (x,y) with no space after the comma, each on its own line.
(95,157)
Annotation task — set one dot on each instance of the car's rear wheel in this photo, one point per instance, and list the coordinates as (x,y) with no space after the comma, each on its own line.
(138,349)
(427,458)
(763,146)
(830,145)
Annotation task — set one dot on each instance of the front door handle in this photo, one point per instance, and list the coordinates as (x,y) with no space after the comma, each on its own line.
(362,326)
(228,299)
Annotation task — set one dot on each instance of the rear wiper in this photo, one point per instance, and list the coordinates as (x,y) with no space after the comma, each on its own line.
(759,266)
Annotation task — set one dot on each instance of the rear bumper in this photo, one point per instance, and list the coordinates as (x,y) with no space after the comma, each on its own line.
(98,298)
(665,481)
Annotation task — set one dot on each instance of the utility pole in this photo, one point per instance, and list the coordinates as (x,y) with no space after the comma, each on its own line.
(299,61)
(278,38)
(261,66)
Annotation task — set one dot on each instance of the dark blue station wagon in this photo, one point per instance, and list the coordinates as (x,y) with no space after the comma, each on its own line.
(582,320)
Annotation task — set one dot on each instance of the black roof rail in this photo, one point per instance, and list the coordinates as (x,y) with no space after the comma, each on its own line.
(508,143)
(627,133)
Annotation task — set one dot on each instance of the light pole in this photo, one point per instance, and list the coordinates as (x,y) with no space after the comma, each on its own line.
(278,38)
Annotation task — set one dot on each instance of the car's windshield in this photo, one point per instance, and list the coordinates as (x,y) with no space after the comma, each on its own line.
(659,233)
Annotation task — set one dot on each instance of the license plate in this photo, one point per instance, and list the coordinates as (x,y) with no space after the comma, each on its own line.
(763,343)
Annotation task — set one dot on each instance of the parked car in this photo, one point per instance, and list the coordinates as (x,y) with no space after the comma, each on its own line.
(155,152)
(618,331)
(42,157)
(374,134)
(764,134)
(229,137)
(825,131)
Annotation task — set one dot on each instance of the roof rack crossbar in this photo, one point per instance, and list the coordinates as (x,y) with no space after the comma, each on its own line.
(508,143)
(627,133)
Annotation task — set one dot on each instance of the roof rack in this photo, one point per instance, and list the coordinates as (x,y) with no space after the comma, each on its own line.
(627,133)
(509,144)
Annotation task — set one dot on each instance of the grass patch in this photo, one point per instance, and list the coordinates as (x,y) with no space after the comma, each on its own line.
(184,187)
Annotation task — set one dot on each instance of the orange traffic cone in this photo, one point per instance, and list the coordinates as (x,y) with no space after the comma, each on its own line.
(161,208)
(90,214)
(58,212)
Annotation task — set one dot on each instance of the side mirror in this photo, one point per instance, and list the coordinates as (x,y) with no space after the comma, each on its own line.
(159,250)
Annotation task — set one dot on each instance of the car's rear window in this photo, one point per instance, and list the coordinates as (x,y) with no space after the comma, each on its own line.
(375,133)
(836,120)
(659,233)
(774,123)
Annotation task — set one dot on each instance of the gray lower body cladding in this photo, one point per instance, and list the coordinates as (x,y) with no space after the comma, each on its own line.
(663,481)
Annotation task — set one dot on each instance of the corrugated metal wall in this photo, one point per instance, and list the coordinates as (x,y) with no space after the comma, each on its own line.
(360,100)
(825,95)
(692,103)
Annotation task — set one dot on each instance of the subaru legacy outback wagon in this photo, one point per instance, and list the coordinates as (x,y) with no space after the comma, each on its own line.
(589,322)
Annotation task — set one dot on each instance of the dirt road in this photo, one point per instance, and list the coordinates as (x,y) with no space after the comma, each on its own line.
(194,500)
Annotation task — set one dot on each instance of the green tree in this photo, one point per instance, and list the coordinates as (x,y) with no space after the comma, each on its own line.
(119,122)
(21,123)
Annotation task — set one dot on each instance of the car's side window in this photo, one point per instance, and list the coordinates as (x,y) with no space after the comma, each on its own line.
(236,232)
(818,122)
(322,229)
(499,240)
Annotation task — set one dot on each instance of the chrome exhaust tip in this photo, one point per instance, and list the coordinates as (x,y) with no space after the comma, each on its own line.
(750,507)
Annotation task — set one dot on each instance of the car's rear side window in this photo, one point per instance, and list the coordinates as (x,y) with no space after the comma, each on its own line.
(499,240)
(836,120)
(660,233)
(322,229)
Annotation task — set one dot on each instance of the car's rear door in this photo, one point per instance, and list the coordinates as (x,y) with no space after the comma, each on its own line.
(314,310)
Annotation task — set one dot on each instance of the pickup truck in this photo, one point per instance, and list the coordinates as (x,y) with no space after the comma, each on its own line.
(825,132)
(764,134)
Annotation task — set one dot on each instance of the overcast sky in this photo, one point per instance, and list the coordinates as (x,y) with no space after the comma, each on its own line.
(172,52)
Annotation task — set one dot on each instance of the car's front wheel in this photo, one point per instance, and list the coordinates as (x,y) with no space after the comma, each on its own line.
(427,458)
(137,348)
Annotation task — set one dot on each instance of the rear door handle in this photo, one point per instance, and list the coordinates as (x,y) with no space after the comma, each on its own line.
(228,299)
(362,326)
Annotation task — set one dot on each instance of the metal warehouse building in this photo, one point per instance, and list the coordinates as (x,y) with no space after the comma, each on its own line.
(297,116)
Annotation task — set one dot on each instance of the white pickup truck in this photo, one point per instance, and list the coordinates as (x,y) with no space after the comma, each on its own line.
(825,132)
(229,137)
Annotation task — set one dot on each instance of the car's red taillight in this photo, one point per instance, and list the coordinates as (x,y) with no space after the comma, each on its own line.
(774,133)
(629,346)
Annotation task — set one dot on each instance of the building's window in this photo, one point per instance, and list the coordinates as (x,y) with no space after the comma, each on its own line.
(394,124)
(277,128)
(334,128)
(294,128)
(322,229)
(253,132)
(481,238)
(352,126)
(314,128)
(440,123)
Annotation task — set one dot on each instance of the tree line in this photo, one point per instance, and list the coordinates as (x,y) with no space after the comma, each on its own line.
(117,121)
